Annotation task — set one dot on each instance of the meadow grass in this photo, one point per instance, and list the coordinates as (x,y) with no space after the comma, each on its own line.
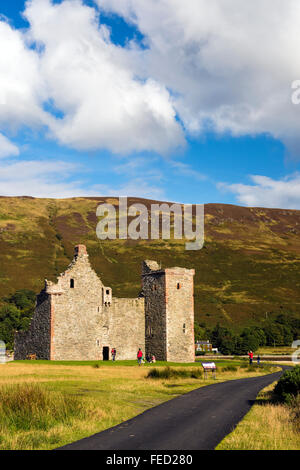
(45,405)
(269,425)
(273,351)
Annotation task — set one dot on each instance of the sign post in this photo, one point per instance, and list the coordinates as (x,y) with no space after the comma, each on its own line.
(207,366)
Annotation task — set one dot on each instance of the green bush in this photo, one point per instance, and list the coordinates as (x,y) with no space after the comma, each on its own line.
(288,385)
(229,369)
(173,373)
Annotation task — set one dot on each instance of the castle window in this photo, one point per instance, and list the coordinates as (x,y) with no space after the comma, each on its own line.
(107,292)
(98,342)
(154,287)
(178,285)
(183,328)
(72,283)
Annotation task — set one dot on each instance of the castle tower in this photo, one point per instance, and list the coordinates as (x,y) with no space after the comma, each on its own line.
(169,312)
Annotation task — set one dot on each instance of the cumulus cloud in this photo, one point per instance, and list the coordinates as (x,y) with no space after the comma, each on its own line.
(90,80)
(267,192)
(230,64)
(22,89)
(226,66)
(7,148)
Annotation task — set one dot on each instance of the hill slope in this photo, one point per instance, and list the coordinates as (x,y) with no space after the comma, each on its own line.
(249,266)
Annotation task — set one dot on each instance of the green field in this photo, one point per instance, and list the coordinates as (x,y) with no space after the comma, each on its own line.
(44,405)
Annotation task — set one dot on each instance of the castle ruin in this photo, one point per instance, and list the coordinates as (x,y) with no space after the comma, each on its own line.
(78,318)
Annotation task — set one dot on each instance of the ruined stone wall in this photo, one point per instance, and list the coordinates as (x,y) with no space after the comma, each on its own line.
(180,314)
(155,314)
(169,312)
(37,339)
(126,327)
(78,318)
(86,318)
(77,314)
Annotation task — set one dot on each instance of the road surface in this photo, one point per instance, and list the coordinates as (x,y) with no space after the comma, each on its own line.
(197,420)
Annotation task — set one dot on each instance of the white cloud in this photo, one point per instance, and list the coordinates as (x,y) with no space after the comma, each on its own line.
(267,192)
(186,170)
(91,81)
(7,148)
(136,187)
(231,64)
(40,179)
(22,88)
(57,179)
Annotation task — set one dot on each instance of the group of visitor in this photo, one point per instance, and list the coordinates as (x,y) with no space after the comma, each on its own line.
(140,357)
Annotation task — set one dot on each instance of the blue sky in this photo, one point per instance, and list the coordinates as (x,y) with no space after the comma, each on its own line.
(145,98)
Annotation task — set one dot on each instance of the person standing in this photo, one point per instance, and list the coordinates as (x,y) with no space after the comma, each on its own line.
(258,360)
(250,354)
(113,353)
(140,356)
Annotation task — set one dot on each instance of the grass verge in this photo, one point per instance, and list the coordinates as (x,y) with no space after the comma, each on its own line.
(46,405)
(269,425)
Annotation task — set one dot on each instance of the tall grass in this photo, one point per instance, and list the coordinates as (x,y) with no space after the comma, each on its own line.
(268,426)
(29,406)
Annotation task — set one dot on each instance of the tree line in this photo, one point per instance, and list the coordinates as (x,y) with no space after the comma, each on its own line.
(16,312)
(279,331)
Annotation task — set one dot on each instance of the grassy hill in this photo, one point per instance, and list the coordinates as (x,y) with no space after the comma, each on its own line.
(248,269)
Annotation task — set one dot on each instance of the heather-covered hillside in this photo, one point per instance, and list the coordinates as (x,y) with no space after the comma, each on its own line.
(248,269)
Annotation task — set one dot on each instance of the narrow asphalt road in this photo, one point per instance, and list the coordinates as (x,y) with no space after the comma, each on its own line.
(197,420)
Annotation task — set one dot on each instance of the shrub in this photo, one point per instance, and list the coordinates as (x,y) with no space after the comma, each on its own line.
(229,369)
(288,385)
(172,373)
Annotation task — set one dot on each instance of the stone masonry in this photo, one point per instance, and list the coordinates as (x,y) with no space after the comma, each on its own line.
(77,318)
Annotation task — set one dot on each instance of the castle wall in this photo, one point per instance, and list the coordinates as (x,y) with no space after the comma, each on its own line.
(126,327)
(155,314)
(37,339)
(77,316)
(180,315)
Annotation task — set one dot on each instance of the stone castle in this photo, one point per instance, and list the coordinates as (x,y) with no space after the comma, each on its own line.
(79,319)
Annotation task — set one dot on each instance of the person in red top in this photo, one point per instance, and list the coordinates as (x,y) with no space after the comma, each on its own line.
(140,356)
(113,353)
(250,354)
